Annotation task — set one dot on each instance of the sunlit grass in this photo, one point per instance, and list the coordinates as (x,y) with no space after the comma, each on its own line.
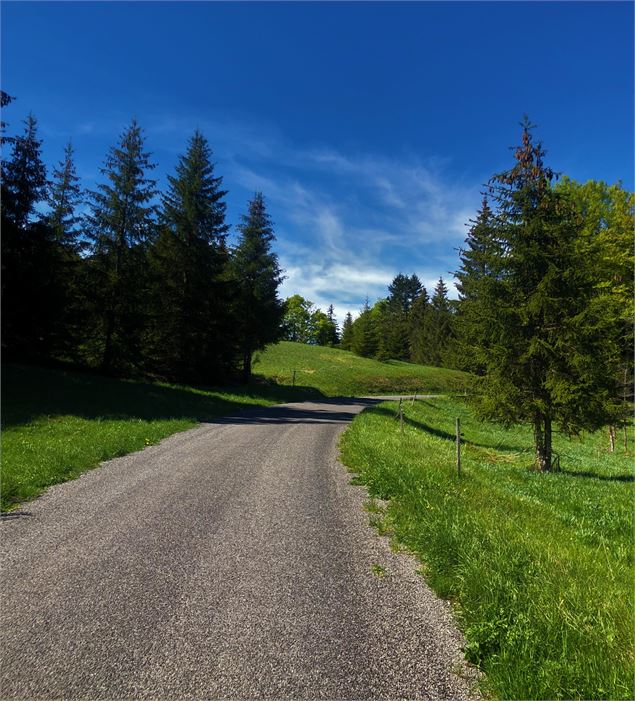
(539,566)
(336,372)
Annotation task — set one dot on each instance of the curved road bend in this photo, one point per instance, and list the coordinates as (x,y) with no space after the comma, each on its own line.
(233,560)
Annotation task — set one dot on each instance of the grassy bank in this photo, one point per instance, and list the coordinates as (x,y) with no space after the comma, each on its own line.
(336,372)
(539,566)
(56,424)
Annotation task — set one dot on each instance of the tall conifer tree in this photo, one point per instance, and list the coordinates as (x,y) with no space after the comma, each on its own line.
(24,176)
(346,342)
(258,309)
(120,226)
(192,337)
(539,341)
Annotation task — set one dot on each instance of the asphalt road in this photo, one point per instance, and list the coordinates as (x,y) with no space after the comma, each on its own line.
(233,560)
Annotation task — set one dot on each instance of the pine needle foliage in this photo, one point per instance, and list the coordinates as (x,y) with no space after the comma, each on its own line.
(257,275)
(539,342)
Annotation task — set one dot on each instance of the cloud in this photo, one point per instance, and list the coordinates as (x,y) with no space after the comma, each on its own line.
(346,223)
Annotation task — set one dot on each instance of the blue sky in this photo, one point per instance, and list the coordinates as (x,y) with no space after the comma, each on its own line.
(369,127)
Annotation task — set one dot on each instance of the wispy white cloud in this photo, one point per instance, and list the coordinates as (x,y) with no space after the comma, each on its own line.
(346,223)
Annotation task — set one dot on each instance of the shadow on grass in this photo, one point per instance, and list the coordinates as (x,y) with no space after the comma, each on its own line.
(293,415)
(31,392)
(439,433)
(596,476)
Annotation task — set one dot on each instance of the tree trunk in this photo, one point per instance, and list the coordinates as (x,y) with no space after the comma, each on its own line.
(106,360)
(542,442)
(611,439)
(246,365)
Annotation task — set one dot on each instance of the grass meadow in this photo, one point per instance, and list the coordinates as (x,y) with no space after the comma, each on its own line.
(539,567)
(336,372)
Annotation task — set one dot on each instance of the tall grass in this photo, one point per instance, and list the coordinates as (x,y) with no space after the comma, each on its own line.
(539,566)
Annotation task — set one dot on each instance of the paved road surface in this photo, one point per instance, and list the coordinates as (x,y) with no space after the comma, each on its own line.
(233,560)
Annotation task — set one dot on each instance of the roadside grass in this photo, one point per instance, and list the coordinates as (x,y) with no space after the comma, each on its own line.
(341,373)
(57,424)
(539,567)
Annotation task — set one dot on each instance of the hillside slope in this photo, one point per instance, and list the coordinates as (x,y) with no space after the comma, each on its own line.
(342,373)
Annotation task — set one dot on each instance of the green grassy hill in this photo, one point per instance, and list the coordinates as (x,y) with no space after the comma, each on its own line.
(336,372)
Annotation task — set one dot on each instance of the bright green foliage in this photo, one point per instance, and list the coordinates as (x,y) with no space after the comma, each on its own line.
(296,323)
(605,245)
(120,226)
(336,372)
(541,344)
(539,566)
(191,339)
(257,276)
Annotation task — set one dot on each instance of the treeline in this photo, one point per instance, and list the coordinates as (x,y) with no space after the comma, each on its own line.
(127,279)
(408,324)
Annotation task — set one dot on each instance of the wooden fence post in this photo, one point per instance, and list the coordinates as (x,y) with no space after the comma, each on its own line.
(458,446)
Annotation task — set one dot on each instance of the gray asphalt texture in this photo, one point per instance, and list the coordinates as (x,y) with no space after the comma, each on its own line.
(233,560)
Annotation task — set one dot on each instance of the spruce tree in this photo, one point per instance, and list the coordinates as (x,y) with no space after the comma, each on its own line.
(63,220)
(333,334)
(481,261)
(64,199)
(24,177)
(120,226)
(258,309)
(191,334)
(439,329)
(5,99)
(365,341)
(418,342)
(28,295)
(539,340)
(346,341)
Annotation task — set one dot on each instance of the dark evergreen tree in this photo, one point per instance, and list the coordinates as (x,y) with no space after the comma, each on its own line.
(24,177)
(120,226)
(403,291)
(392,318)
(28,309)
(365,341)
(333,333)
(540,342)
(439,330)
(5,99)
(481,270)
(193,337)
(346,341)
(65,198)
(417,327)
(258,309)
